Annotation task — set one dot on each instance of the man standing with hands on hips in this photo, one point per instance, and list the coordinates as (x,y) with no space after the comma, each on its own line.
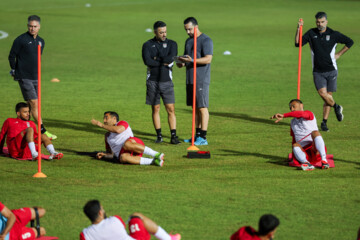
(203,59)
(158,54)
(23,59)
(323,41)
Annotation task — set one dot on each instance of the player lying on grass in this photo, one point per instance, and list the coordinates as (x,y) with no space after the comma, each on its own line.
(21,135)
(103,228)
(267,227)
(121,143)
(305,133)
(13,223)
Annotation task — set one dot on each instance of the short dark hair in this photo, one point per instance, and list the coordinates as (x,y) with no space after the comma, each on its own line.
(267,223)
(192,20)
(113,114)
(320,15)
(295,100)
(21,105)
(158,24)
(34,18)
(91,209)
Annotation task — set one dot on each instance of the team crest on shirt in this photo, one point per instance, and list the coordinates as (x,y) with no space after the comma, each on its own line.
(327,37)
(164,45)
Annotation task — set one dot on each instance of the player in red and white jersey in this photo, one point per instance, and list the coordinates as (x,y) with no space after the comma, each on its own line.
(121,143)
(267,227)
(21,135)
(13,223)
(305,133)
(114,228)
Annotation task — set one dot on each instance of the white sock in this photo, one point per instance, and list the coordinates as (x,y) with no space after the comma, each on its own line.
(50,149)
(33,151)
(162,234)
(300,155)
(149,151)
(145,161)
(320,146)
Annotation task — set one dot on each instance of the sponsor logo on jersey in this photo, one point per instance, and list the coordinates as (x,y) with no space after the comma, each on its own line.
(30,42)
(153,46)
(164,45)
(315,36)
(327,37)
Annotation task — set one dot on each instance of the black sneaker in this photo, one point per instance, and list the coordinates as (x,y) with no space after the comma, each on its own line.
(159,139)
(338,111)
(324,127)
(174,140)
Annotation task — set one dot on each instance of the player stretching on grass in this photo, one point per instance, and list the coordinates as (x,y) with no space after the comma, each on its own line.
(21,136)
(113,227)
(13,223)
(121,143)
(267,228)
(305,133)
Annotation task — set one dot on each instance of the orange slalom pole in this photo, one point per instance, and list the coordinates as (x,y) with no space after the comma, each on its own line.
(299,66)
(39,174)
(192,147)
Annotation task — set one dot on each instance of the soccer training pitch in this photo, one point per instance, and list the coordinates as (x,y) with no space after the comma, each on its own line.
(95,51)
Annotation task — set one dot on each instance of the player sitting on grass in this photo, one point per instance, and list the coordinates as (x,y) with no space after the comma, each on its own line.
(21,136)
(103,228)
(13,223)
(267,228)
(121,143)
(305,133)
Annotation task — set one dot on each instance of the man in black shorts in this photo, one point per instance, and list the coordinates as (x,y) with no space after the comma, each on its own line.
(23,61)
(158,54)
(204,57)
(323,41)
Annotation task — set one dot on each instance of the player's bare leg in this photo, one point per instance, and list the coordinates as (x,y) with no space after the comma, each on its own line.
(132,146)
(203,119)
(204,113)
(156,121)
(170,108)
(328,103)
(127,158)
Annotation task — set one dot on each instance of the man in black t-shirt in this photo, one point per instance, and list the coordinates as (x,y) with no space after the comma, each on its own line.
(323,41)
(158,54)
(23,59)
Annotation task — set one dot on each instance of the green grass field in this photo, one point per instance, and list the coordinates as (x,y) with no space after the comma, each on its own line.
(96,53)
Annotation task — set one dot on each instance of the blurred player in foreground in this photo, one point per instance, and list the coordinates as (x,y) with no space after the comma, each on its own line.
(121,143)
(22,134)
(13,223)
(305,133)
(267,227)
(114,227)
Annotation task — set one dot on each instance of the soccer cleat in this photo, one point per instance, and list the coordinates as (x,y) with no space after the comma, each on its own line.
(174,140)
(338,111)
(56,155)
(324,165)
(200,141)
(189,140)
(175,236)
(324,127)
(307,167)
(158,159)
(34,157)
(159,139)
(51,136)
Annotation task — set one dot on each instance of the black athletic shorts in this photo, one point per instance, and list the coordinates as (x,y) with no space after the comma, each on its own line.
(326,80)
(29,88)
(155,90)
(202,95)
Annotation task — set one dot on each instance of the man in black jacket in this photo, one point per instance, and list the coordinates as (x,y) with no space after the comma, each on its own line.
(323,41)
(23,59)
(158,54)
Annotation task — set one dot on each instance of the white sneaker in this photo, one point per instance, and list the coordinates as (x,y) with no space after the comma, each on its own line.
(307,167)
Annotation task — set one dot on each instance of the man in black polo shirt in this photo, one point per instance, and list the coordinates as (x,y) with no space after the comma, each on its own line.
(323,41)
(24,66)
(158,54)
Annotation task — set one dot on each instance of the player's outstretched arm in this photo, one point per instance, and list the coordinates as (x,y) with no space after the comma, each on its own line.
(10,221)
(102,155)
(278,117)
(115,129)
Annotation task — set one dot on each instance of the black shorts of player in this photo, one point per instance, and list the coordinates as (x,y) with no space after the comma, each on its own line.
(202,95)
(155,90)
(29,88)
(326,80)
